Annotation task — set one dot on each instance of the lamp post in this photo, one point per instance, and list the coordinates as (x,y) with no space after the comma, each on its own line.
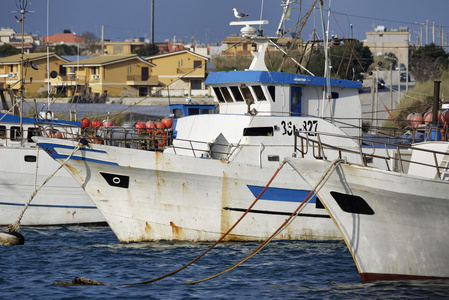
(427,29)
(399,76)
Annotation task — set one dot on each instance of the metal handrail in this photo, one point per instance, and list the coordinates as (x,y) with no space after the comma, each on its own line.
(310,139)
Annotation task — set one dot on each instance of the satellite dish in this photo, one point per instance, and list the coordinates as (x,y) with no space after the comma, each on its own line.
(53,74)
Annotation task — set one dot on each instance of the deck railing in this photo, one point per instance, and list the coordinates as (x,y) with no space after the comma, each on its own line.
(370,149)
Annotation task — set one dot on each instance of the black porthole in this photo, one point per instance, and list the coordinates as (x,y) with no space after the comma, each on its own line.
(352,204)
(115,180)
(30,158)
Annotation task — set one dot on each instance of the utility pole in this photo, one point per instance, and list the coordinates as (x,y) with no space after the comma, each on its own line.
(433,32)
(152,21)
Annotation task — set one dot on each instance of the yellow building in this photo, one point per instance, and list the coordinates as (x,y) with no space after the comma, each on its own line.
(35,73)
(121,48)
(237,45)
(181,73)
(115,75)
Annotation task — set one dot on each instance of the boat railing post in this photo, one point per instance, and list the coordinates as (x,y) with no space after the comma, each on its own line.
(436,165)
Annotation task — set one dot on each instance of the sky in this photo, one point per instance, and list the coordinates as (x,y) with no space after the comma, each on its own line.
(208,20)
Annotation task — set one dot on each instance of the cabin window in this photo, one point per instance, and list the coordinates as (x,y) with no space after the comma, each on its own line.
(226,94)
(247,94)
(207,111)
(93,70)
(197,64)
(14,133)
(218,94)
(334,95)
(177,112)
(32,132)
(271,90)
(258,131)
(195,84)
(194,111)
(296,96)
(259,93)
(3,132)
(236,92)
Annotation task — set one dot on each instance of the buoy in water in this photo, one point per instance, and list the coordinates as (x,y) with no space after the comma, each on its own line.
(11,238)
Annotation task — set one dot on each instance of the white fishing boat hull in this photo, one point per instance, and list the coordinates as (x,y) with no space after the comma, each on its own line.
(150,196)
(61,201)
(395,225)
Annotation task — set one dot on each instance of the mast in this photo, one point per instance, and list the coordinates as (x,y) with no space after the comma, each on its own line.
(22,5)
(327,89)
(280,31)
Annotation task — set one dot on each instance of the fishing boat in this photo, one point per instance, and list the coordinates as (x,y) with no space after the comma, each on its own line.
(203,180)
(24,167)
(394,221)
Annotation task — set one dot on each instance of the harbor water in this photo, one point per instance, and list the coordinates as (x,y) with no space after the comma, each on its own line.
(286,269)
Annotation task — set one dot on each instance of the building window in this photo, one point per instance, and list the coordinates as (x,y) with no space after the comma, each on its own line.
(197,64)
(195,84)
(143,91)
(62,71)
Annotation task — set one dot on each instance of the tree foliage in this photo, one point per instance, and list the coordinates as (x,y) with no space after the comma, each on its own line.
(65,50)
(428,62)
(91,42)
(8,50)
(349,60)
(148,50)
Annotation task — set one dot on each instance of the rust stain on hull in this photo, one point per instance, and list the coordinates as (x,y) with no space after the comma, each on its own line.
(176,231)
(147,228)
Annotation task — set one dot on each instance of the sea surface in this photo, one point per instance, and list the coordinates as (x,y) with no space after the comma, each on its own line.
(282,270)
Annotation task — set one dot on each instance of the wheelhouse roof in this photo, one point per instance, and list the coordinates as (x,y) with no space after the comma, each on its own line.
(275,77)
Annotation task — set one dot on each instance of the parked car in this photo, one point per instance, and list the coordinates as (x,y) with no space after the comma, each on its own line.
(403,76)
(380,83)
(401,67)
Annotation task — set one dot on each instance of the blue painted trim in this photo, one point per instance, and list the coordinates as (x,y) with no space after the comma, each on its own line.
(7,118)
(46,205)
(278,194)
(50,147)
(265,77)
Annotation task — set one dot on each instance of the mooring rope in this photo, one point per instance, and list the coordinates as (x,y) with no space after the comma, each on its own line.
(16,226)
(221,238)
(287,222)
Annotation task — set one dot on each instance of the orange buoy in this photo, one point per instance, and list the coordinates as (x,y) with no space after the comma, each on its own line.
(414,119)
(167,122)
(139,126)
(150,126)
(160,125)
(85,123)
(107,123)
(95,123)
(428,117)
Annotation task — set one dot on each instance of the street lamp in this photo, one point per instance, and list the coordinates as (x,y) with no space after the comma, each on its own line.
(399,76)
(427,28)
